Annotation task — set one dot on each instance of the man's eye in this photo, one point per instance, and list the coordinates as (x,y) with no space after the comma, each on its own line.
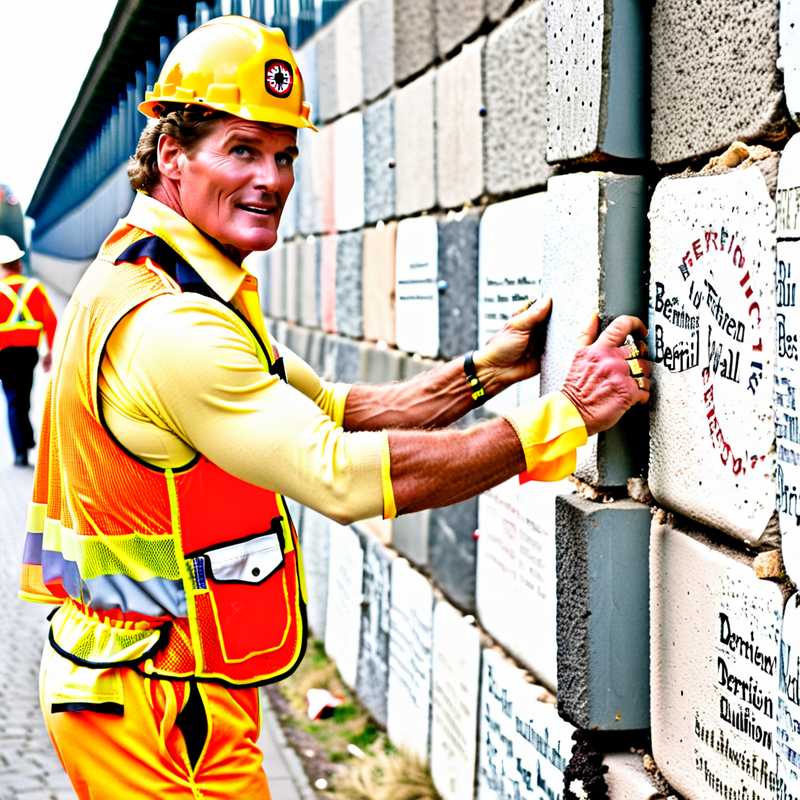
(283,159)
(240,150)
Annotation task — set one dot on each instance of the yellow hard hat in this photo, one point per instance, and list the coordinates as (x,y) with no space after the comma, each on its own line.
(236,65)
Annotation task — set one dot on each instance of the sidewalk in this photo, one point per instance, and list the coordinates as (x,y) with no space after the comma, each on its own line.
(29,767)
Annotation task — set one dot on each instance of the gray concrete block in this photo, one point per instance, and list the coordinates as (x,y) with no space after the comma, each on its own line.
(595,258)
(459,127)
(289,213)
(410,536)
(452,548)
(298,340)
(309,198)
(276,275)
(315,543)
(737,58)
(309,258)
(316,353)
(377,47)
(383,365)
(349,85)
(345,359)
(372,682)
(327,73)
(458,285)
(602,620)
(597,79)
(292,285)
(415,146)
(415,365)
(280,330)
(515,88)
(349,318)
(329,247)
(379,171)
(306,58)
(456,21)
(414,39)
(378,282)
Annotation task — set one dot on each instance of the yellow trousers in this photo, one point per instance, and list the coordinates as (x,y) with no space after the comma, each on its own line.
(142,753)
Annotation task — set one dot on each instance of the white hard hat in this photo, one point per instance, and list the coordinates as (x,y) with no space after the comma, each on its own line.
(9,251)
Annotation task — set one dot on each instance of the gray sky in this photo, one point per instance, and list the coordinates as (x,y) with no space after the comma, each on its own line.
(46,47)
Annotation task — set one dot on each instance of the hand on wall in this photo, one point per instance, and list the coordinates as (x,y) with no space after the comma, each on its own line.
(601,382)
(513,354)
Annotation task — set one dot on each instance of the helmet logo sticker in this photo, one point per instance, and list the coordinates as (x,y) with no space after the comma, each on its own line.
(279,78)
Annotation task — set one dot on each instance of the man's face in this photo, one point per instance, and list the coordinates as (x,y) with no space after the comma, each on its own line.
(235,184)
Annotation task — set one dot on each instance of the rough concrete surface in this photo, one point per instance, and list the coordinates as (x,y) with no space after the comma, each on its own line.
(712,341)
(276,275)
(349,319)
(595,259)
(415,148)
(456,21)
(328,258)
(459,128)
(515,94)
(602,619)
(378,283)
(306,189)
(326,71)
(414,37)
(452,550)
(728,46)
(596,79)
(309,258)
(306,58)
(377,46)
(379,164)
(292,287)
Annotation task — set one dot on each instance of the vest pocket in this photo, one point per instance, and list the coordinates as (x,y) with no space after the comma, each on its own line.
(246,581)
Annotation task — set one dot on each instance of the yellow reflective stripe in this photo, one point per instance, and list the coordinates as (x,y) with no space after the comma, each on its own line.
(389,507)
(187,578)
(19,307)
(36,515)
(134,555)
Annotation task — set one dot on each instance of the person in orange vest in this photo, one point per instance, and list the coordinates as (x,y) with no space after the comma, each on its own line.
(175,426)
(25,313)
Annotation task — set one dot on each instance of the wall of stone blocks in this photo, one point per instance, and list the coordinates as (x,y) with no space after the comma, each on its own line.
(629,632)
(625,633)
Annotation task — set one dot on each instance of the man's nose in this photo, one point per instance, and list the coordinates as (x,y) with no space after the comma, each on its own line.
(268,176)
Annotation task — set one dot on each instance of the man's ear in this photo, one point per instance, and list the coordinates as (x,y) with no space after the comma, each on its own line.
(170,157)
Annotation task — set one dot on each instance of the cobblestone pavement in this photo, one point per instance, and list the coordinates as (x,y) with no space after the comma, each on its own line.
(29,766)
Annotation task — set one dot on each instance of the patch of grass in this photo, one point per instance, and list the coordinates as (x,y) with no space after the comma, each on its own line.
(384,773)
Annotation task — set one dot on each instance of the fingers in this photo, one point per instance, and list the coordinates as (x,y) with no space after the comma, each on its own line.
(531,315)
(620,328)
(589,334)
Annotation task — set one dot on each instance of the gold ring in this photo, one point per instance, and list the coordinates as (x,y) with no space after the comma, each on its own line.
(639,381)
(635,367)
(634,351)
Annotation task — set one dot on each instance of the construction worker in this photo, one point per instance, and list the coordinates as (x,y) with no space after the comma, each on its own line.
(25,312)
(175,427)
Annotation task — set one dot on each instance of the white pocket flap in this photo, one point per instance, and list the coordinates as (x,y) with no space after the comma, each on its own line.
(251,561)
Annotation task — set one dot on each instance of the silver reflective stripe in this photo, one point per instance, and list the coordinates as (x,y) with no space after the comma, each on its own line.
(252,561)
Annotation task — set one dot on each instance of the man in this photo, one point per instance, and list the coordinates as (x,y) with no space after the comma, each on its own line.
(25,312)
(175,428)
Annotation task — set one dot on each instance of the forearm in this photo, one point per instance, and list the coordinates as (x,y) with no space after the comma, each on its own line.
(438,468)
(433,399)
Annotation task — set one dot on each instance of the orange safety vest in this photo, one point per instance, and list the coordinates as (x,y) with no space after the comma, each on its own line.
(19,328)
(174,572)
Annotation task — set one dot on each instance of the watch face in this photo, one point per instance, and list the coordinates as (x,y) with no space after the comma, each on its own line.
(279,78)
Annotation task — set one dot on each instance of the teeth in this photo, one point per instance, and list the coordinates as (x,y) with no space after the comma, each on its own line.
(256,210)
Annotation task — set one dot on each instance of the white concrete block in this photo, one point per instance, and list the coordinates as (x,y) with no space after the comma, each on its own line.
(292,286)
(415,179)
(510,263)
(410,646)
(454,709)
(416,287)
(343,626)
(787,320)
(459,127)
(714,663)
(525,745)
(349,85)
(348,171)
(712,343)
